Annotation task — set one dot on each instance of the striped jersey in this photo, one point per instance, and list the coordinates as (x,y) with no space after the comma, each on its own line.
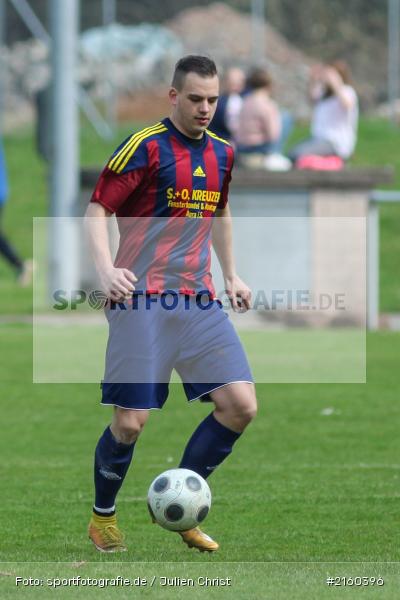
(174,184)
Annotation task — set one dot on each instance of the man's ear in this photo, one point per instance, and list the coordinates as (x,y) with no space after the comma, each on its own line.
(173,96)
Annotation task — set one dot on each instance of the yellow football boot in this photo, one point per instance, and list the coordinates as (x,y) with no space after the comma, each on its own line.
(105,535)
(195,538)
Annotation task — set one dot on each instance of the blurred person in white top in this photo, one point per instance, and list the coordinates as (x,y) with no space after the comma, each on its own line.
(226,118)
(235,80)
(335,115)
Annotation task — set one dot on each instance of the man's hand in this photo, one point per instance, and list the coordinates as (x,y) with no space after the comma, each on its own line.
(118,283)
(238,293)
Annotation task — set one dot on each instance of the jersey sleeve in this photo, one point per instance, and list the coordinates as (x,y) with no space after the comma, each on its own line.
(124,173)
(223,201)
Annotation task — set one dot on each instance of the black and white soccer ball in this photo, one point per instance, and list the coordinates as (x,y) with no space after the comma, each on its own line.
(179,499)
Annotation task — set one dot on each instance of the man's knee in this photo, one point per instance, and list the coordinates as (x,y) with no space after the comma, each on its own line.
(246,409)
(249,411)
(237,403)
(128,424)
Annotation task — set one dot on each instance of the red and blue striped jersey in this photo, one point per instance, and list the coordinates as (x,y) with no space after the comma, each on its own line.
(159,174)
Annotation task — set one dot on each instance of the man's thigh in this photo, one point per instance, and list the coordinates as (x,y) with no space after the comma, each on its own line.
(140,347)
(212,354)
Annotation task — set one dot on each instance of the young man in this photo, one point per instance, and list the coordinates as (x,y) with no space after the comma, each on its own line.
(173,179)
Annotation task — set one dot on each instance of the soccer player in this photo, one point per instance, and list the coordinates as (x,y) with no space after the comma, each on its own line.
(168,186)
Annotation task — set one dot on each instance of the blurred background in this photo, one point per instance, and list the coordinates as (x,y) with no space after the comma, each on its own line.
(144,39)
(124,54)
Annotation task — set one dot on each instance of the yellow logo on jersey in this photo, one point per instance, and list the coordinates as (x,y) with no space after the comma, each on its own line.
(199,172)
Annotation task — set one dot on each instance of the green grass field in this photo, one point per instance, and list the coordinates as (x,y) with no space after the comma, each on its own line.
(301,487)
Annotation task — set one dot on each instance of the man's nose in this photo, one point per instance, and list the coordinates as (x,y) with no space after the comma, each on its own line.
(204,106)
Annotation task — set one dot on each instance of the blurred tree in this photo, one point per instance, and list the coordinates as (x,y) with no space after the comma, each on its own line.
(352,29)
(308,23)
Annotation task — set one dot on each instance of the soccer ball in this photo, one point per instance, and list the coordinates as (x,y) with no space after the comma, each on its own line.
(179,499)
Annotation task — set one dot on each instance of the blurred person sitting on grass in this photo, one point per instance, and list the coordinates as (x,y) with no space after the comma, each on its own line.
(23,269)
(335,114)
(226,119)
(263,129)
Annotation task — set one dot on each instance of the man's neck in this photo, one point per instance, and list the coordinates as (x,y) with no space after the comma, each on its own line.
(180,128)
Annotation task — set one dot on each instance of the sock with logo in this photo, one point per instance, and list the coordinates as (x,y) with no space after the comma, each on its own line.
(112,460)
(209,445)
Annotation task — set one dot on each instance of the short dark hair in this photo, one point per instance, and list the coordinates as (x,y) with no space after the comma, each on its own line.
(202,65)
(258,78)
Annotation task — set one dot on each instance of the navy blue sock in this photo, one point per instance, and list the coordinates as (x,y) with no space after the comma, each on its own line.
(112,460)
(210,444)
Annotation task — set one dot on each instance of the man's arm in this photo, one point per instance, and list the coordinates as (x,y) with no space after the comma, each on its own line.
(239,293)
(116,283)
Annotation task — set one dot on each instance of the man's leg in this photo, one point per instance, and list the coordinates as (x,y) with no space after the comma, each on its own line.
(213,440)
(10,254)
(8,251)
(113,456)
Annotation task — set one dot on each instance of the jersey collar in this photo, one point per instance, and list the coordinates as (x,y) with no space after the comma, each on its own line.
(188,141)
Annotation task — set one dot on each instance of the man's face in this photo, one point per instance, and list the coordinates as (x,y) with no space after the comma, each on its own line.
(194,105)
(235,80)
